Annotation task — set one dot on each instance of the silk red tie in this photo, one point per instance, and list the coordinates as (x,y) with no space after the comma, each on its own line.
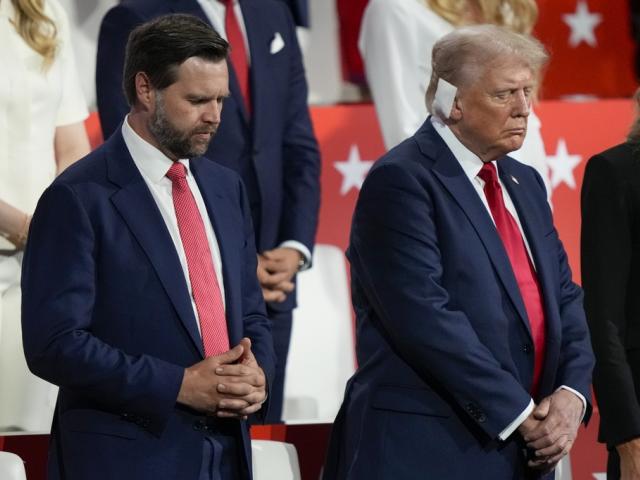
(238,53)
(202,275)
(520,263)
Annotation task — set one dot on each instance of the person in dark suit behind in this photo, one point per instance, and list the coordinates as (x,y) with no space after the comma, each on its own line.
(140,298)
(473,350)
(265,136)
(611,280)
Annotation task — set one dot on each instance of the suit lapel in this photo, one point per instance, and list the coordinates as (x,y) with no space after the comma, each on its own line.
(138,209)
(258,38)
(216,198)
(453,178)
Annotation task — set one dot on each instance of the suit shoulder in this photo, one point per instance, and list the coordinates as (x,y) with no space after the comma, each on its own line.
(619,157)
(406,155)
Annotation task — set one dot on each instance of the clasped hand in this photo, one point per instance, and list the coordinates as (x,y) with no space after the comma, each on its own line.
(551,428)
(229,385)
(276,269)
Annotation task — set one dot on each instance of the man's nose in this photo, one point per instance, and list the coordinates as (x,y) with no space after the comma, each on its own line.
(212,112)
(522,104)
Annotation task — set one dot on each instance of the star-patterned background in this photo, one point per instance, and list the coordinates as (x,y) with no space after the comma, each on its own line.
(591,48)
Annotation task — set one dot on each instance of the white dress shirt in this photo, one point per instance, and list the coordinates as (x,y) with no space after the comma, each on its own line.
(471,164)
(153,166)
(215,11)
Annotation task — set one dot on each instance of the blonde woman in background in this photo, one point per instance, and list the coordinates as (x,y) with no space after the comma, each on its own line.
(396,39)
(41,132)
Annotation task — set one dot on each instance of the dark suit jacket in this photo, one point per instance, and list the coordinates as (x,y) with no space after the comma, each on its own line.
(274,151)
(443,342)
(611,280)
(107,316)
(300,11)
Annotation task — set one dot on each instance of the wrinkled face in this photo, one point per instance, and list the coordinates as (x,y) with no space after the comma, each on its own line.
(186,114)
(492,112)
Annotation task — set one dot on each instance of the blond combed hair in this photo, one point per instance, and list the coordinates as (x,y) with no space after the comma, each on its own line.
(36,28)
(518,15)
(466,53)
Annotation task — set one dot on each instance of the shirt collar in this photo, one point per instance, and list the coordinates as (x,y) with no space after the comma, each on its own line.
(469,161)
(150,161)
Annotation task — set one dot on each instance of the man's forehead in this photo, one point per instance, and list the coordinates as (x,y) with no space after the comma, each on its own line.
(512,72)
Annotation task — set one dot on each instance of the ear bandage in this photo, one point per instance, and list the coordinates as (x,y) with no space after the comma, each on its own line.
(443,99)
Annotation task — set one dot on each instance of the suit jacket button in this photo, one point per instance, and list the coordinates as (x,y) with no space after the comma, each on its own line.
(481,417)
(526,348)
(199,425)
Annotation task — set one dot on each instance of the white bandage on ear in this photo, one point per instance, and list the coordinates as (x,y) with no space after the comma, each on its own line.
(443,99)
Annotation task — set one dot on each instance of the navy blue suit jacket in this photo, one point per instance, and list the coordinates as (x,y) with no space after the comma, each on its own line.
(274,150)
(443,342)
(300,11)
(107,316)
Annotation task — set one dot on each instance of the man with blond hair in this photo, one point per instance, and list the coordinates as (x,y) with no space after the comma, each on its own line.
(473,351)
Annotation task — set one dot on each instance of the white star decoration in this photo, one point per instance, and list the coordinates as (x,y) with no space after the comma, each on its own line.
(353,170)
(561,166)
(582,24)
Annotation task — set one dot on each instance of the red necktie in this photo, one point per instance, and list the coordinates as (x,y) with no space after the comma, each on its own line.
(520,263)
(202,276)
(238,51)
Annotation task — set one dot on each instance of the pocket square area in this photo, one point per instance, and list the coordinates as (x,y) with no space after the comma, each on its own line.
(277,43)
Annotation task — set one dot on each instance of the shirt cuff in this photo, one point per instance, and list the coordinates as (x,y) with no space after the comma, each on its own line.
(302,249)
(504,434)
(579,395)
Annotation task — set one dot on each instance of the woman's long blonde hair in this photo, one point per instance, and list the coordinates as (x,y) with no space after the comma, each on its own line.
(36,28)
(518,15)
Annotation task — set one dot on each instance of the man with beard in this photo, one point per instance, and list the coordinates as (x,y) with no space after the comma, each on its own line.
(265,136)
(140,295)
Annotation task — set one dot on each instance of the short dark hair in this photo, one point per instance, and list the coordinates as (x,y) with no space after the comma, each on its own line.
(160,46)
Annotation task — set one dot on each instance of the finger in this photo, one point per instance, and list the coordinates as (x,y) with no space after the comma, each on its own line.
(553,450)
(236,389)
(248,358)
(230,356)
(286,287)
(251,409)
(542,410)
(274,279)
(544,428)
(233,404)
(241,373)
(273,295)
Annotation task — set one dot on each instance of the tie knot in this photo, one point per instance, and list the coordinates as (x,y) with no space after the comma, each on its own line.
(488,173)
(177,172)
(226,3)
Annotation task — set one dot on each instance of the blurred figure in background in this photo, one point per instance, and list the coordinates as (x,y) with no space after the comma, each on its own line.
(396,39)
(41,132)
(610,249)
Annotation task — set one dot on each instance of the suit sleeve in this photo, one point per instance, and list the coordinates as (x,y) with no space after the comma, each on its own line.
(394,252)
(256,324)
(606,251)
(58,297)
(112,42)
(301,162)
